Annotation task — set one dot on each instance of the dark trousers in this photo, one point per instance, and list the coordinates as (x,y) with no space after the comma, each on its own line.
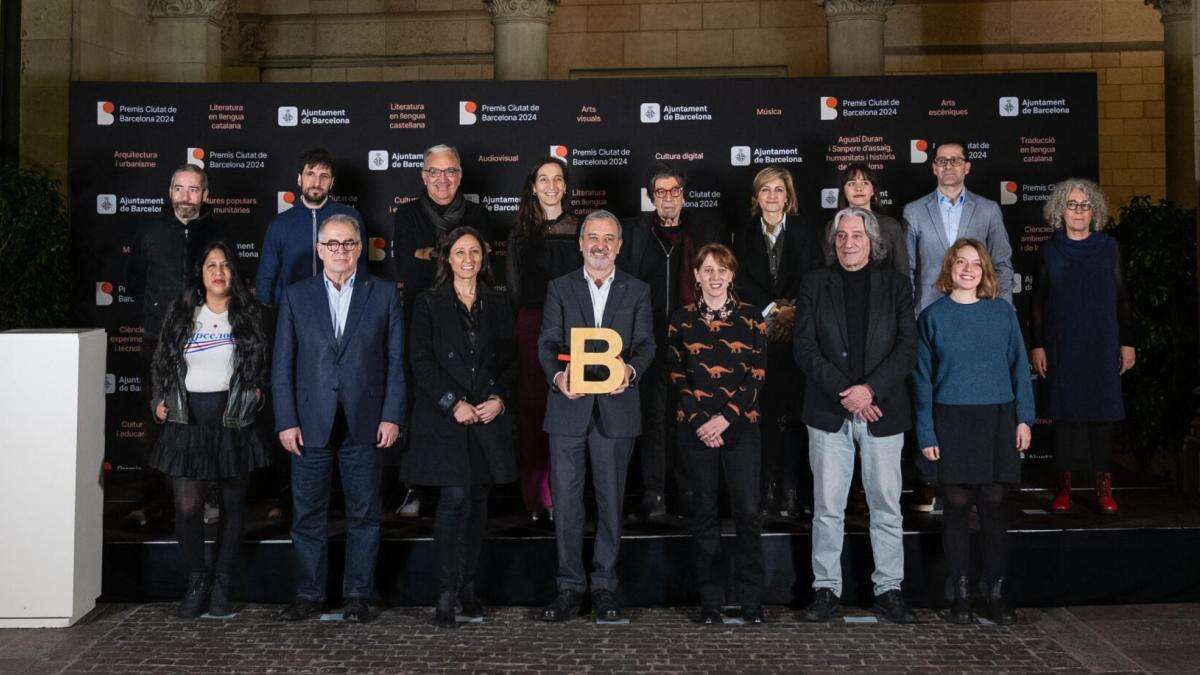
(740,461)
(458,535)
(609,459)
(535,447)
(659,453)
(311,474)
(1083,446)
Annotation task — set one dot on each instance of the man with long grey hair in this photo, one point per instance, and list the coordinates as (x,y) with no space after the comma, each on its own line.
(855,339)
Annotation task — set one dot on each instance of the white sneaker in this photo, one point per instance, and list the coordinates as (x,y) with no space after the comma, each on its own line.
(212,513)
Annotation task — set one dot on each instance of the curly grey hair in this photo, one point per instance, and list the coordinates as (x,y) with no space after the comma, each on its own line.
(1057,203)
(870,223)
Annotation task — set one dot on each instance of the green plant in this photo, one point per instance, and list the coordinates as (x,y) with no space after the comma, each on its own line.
(35,250)
(1158,249)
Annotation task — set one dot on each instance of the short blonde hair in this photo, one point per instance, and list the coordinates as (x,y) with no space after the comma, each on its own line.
(987,288)
(767,175)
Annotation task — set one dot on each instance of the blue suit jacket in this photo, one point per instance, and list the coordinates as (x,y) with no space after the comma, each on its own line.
(927,242)
(312,373)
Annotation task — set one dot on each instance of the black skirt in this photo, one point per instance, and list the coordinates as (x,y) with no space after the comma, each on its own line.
(978,444)
(204,449)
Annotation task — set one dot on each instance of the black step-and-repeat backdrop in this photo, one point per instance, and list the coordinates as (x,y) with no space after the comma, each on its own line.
(1023,134)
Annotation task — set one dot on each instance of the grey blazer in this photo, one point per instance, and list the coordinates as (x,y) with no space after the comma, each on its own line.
(627,311)
(927,243)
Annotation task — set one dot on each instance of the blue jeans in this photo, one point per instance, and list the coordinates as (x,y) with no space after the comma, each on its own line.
(311,473)
(832,458)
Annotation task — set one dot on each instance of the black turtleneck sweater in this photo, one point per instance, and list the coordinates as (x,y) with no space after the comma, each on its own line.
(856,288)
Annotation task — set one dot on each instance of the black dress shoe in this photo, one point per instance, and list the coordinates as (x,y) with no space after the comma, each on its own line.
(564,607)
(891,606)
(605,606)
(960,611)
(357,610)
(710,615)
(300,609)
(444,614)
(754,615)
(195,601)
(472,608)
(825,606)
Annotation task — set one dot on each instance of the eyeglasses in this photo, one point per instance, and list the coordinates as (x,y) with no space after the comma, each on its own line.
(943,162)
(663,192)
(334,246)
(451,173)
(1079,206)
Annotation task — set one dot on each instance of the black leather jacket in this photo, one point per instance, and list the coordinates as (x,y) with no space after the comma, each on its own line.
(240,409)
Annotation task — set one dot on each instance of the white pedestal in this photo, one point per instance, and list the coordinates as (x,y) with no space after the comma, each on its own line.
(51,497)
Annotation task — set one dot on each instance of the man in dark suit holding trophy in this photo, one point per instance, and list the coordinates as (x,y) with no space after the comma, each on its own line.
(600,427)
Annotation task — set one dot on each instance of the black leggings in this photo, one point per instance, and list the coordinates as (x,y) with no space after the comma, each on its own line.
(956,529)
(1083,446)
(189,523)
(458,535)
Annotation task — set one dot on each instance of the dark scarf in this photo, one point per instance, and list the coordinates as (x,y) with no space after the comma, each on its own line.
(445,218)
(679,236)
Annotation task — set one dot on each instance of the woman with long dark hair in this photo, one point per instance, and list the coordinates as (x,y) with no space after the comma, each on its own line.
(209,374)
(858,186)
(461,349)
(543,244)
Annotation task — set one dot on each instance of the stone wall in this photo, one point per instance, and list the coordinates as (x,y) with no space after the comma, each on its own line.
(1119,40)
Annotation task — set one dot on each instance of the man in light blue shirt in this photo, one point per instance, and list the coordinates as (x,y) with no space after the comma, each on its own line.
(949,213)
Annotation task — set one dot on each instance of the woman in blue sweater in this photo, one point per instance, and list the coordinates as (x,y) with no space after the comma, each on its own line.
(974,412)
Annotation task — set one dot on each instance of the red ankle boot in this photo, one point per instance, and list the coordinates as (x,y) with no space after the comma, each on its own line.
(1062,501)
(1104,499)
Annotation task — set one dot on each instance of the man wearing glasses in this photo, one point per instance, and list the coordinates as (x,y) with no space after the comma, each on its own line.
(659,247)
(289,249)
(338,385)
(421,223)
(952,212)
(935,221)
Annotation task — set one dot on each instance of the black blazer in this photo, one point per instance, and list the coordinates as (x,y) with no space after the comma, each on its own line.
(627,311)
(443,362)
(822,349)
(801,254)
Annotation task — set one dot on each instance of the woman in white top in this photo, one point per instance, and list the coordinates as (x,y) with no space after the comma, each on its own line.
(209,372)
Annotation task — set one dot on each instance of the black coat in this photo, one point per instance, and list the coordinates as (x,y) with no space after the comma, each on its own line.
(644,255)
(162,260)
(413,230)
(443,362)
(753,284)
(823,352)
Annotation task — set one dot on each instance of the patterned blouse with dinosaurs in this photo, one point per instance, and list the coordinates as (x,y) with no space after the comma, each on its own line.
(717,361)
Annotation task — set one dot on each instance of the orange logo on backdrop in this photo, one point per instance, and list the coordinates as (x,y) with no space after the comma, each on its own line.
(607,358)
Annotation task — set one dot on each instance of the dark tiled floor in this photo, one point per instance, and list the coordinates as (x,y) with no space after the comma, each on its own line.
(147,638)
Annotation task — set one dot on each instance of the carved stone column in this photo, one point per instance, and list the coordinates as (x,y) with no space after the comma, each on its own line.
(1178,92)
(185,41)
(855,35)
(520,37)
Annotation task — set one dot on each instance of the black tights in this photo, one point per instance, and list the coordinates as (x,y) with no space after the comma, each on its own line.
(189,523)
(458,534)
(956,529)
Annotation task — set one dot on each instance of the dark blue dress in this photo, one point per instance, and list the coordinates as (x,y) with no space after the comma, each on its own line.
(1082,317)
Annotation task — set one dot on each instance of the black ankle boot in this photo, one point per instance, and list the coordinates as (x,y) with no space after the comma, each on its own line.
(195,602)
(1001,612)
(960,611)
(444,611)
(221,599)
(471,606)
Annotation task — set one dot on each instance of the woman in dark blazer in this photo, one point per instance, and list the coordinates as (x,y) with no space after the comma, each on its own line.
(774,250)
(463,356)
